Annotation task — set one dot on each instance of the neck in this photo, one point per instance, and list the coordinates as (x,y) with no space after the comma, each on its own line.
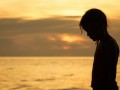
(105,37)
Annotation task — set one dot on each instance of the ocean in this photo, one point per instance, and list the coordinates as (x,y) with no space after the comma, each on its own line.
(47,73)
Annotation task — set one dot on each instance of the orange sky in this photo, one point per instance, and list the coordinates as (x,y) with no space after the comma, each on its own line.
(34,9)
(34,27)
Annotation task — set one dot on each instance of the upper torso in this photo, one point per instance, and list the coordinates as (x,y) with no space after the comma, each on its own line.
(105,61)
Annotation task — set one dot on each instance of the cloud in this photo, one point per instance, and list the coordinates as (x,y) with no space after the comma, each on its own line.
(51,25)
(57,36)
(68,38)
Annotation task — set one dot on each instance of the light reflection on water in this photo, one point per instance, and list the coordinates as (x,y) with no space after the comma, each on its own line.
(47,73)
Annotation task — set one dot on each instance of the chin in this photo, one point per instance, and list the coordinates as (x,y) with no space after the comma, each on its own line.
(94,39)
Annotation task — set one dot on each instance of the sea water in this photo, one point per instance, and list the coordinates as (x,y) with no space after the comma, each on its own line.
(47,73)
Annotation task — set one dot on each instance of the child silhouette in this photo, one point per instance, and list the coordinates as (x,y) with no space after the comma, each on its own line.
(94,22)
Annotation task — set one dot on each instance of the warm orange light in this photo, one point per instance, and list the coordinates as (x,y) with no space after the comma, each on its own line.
(34,9)
(66,47)
(52,38)
(71,38)
(68,38)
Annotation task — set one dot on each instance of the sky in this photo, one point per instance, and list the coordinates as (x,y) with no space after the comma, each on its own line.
(50,27)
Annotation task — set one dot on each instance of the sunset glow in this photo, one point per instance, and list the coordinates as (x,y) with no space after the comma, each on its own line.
(68,38)
(66,47)
(71,38)
(34,9)
(51,27)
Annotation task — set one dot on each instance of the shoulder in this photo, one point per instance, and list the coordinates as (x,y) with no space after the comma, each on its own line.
(110,44)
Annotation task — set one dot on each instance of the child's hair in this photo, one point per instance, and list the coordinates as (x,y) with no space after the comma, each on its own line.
(94,17)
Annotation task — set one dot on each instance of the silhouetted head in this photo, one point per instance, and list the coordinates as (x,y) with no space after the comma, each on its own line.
(94,22)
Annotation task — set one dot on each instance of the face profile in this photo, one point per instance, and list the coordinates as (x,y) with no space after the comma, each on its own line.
(93,35)
(94,22)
